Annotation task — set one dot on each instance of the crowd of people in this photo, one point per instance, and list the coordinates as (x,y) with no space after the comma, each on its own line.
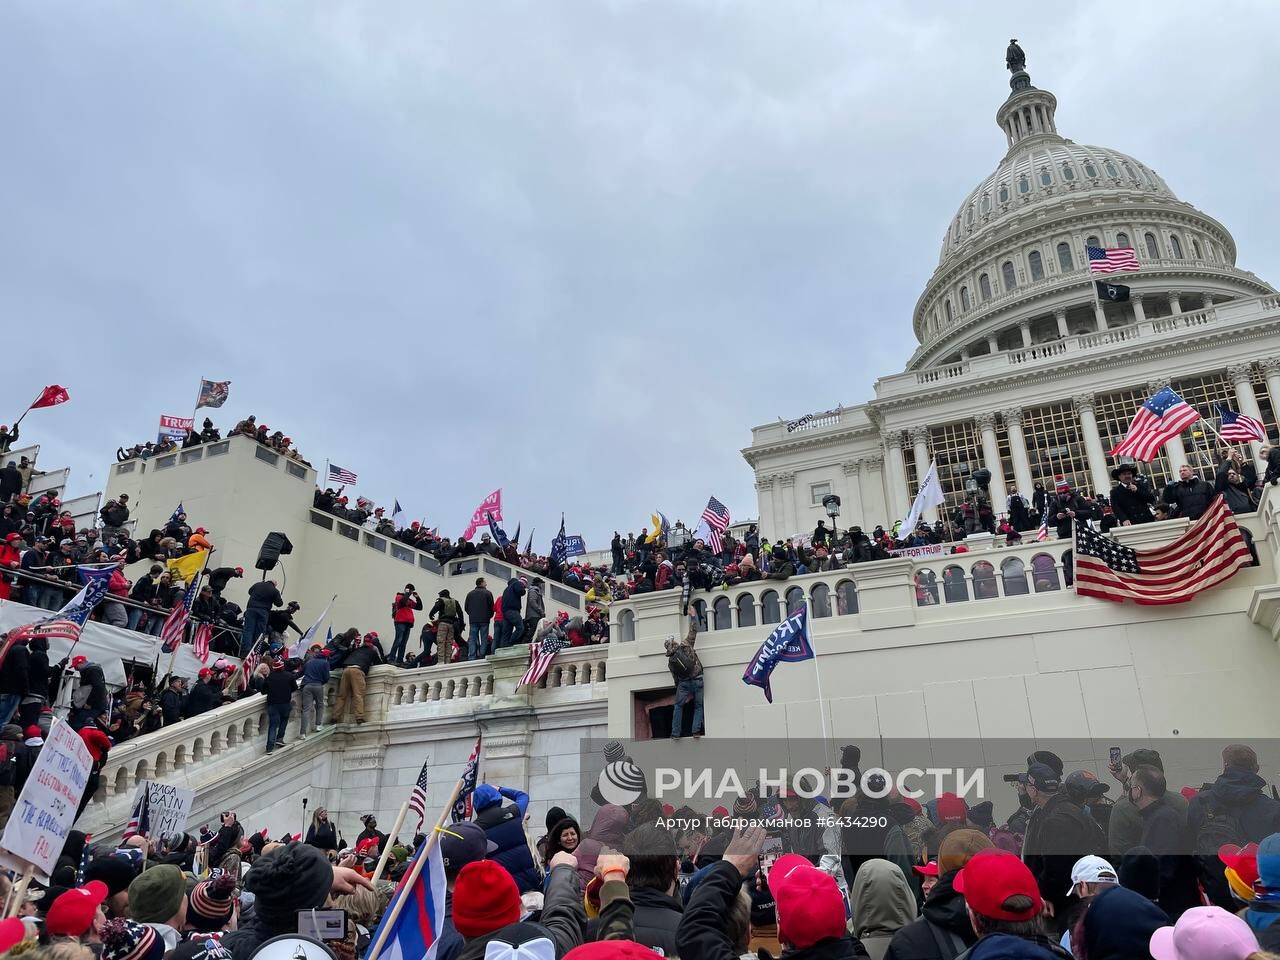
(1070,875)
(208,433)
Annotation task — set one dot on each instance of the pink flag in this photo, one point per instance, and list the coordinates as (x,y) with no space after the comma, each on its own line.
(491,504)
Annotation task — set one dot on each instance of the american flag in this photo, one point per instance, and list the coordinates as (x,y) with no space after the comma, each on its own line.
(1043,532)
(175,624)
(418,797)
(540,657)
(140,816)
(470,774)
(341,475)
(1112,259)
(248,665)
(1158,420)
(716,519)
(1211,551)
(1237,426)
(200,642)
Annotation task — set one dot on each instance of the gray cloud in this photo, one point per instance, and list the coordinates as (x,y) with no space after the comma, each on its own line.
(573,249)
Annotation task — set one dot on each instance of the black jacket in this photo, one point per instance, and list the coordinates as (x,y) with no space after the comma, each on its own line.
(1188,498)
(362,658)
(171,704)
(202,698)
(1064,524)
(1240,793)
(1131,506)
(15,677)
(656,920)
(264,596)
(324,837)
(943,919)
(1239,496)
(280,685)
(281,620)
(1059,834)
(10,481)
(219,578)
(479,605)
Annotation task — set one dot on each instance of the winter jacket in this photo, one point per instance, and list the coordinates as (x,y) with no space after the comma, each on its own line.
(562,921)
(512,599)
(280,686)
(363,658)
(171,704)
(655,919)
(1273,466)
(1124,829)
(203,698)
(479,605)
(1130,506)
(942,924)
(315,671)
(1239,496)
(405,604)
(1240,793)
(1059,834)
(10,481)
(324,836)
(447,610)
(503,824)
(220,577)
(264,596)
(883,903)
(281,620)
(534,605)
(1188,498)
(1003,946)
(1063,525)
(607,829)
(15,677)
(701,931)
(114,515)
(1119,925)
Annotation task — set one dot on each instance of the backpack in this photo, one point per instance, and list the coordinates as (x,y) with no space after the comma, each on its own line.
(1221,826)
(682,662)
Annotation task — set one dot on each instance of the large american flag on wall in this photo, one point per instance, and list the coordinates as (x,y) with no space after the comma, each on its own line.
(1112,259)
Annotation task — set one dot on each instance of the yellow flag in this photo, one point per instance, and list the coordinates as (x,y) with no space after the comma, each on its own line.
(184,568)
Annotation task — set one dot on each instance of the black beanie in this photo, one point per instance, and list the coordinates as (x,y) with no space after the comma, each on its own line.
(298,877)
(116,872)
(554,816)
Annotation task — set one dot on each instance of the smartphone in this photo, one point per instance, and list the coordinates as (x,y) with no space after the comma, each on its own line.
(323,924)
(770,853)
(1115,758)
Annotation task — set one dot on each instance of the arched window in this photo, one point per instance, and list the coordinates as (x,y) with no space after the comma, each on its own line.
(984,581)
(820,598)
(984,287)
(1004,193)
(1176,246)
(947,305)
(1046,178)
(1015,577)
(1036,265)
(986,204)
(700,608)
(1064,257)
(1092,241)
(771,612)
(953,586)
(1122,239)
(926,588)
(1068,172)
(1010,279)
(627,626)
(746,610)
(1195,247)
(1111,170)
(846,598)
(721,612)
(1153,250)
(795,601)
(1128,170)
(968,216)
(1044,574)
(964,299)
(1089,169)
(1024,184)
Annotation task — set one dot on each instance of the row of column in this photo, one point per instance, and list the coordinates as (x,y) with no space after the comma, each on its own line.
(1240,375)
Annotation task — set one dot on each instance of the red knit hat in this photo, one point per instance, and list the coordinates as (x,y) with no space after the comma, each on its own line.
(993,876)
(914,805)
(32,732)
(611,950)
(12,930)
(810,907)
(71,913)
(951,809)
(485,899)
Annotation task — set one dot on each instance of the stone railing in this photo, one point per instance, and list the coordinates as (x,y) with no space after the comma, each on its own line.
(207,451)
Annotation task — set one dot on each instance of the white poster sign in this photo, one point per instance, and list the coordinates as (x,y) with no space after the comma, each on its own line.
(929,550)
(46,809)
(168,808)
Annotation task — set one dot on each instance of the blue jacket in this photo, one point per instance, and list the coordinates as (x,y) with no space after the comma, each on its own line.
(315,670)
(504,825)
(511,597)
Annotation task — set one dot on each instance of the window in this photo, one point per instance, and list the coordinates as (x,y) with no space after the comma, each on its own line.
(820,599)
(947,305)
(1092,241)
(819,490)
(1128,170)
(1015,577)
(1024,184)
(984,581)
(1067,172)
(770,611)
(968,216)
(218,449)
(986,203)
(746,610)
(1046,178)
(295,469)
(964,299)
(1044,574)
(322,520)
(1064,257)
(846,598)
(627,626)
(1036,265)
(954,588)
(1004,193)
(984,287)
(1111,170)
(1122,239)
(1089,169)
(164,463)
(723,618)
(265,455)
(1195,246)
(1010,279)
(1176,246)
(1153,250)
(188,455)
(795,601)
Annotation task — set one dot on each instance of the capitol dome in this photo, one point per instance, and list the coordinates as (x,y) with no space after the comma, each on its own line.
(1013,272)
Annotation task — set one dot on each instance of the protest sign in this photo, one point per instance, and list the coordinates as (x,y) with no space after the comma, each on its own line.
(174,428)
(46,809)
(161,808)
(928,550)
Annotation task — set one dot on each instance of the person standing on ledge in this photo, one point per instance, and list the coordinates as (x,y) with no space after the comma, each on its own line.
(402,608)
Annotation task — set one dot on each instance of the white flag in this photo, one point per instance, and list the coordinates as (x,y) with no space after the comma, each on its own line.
(930,495)
(299,649)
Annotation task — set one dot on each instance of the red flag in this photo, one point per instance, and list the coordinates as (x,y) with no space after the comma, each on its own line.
(51,396)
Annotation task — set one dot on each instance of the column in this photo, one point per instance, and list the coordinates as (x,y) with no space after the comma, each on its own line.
(992,343)
(1139,315)
(874,506)
(1174,449)
(1097,457)
(895,476)
(1271,370)
(1025,328)
(986,424)
(788,486)
(1061,316)
(853,509)
(1022,479)
(764,500)
(1206,301)
(1175,302)
(1241,375)
(964,353)
(920,449)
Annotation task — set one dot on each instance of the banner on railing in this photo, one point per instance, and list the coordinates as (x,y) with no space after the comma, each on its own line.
(928,551)
(47,806)
(167,808)
(174,428)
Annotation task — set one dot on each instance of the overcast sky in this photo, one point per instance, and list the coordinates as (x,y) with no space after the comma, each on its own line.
(573,249)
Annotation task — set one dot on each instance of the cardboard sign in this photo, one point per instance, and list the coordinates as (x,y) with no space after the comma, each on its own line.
(46,809)
(167,808)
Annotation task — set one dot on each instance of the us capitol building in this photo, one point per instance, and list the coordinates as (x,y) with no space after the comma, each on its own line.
(1019,370)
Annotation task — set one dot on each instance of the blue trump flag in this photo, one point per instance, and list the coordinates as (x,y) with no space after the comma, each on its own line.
(789,643)
(499,535)
(574,546)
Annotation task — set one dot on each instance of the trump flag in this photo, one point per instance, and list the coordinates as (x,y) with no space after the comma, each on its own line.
(789,643)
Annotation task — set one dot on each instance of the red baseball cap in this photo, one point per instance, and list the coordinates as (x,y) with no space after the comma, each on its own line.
(810,907)
(952,809)
(72,913)
(929,869)
(990,878)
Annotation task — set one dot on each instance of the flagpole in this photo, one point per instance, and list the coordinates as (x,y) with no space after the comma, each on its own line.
(31,407)
(196,408)
(386,853)
(195,585)
(389,922)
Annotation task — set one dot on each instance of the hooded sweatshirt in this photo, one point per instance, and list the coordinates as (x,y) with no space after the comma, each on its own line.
(1119,925)
(882,904)
(607,828)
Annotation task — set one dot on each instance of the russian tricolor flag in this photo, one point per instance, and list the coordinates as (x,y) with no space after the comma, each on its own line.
(417,922)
